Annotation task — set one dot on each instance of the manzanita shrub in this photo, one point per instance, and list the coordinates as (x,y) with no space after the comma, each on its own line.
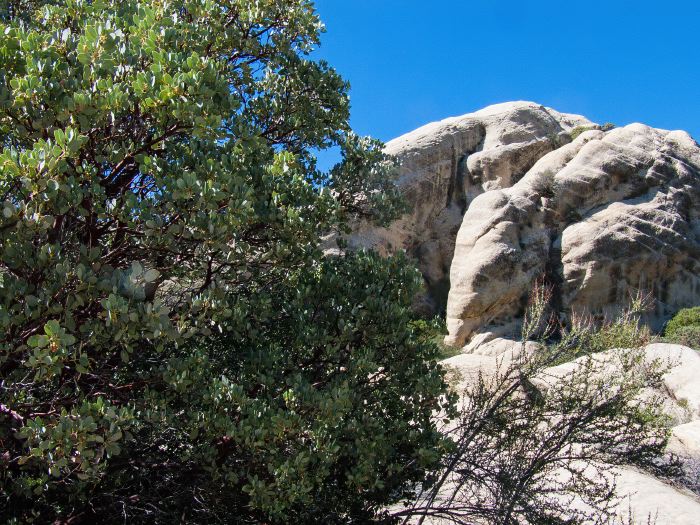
(174,346)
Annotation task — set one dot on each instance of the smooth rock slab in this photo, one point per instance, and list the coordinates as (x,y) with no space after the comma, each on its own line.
(647,497)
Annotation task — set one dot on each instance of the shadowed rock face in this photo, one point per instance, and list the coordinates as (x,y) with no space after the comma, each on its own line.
(502,197)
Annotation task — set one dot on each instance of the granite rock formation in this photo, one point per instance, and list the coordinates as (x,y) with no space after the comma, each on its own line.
(446,165)
(518,192)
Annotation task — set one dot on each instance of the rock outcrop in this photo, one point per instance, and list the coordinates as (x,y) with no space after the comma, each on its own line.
(517,193)
(605,218)
(504,196)
(446,164)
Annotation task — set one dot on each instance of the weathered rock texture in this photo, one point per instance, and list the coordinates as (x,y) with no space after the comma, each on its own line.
(503,196)
(606,217)
(446,164)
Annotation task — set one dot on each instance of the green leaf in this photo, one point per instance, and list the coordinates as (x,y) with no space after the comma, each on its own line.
(38,341)
(136,269)
(53,327)
(151,275)
(60,137)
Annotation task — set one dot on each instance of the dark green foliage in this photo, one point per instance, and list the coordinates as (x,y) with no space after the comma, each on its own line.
(173,344)
(684,328)
(433,332)
(686,335)
(302,415)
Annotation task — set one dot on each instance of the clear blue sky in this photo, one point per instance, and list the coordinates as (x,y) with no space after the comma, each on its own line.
(410,62)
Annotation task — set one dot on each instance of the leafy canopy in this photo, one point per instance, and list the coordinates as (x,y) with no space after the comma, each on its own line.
(173,343)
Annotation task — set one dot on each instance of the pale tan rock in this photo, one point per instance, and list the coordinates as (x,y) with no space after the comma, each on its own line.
(683,380)
(493,359)
(502,197)
(681,388)
(502,246)
(640,495)
(641,499)
(445,165)
(648,497)
(464,370)
(606,217)
(685,440)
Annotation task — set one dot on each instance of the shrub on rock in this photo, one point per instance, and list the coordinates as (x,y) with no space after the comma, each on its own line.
(684,328)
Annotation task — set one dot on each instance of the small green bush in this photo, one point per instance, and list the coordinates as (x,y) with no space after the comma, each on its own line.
(687,336)
(584,335)
(432,332)
(580,129)
(684,327)
(625,332)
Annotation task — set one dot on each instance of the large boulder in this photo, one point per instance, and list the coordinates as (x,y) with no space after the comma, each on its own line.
(681,383)
(517,193)
(504,196)
(603,219)
(651,500)
(445,165)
